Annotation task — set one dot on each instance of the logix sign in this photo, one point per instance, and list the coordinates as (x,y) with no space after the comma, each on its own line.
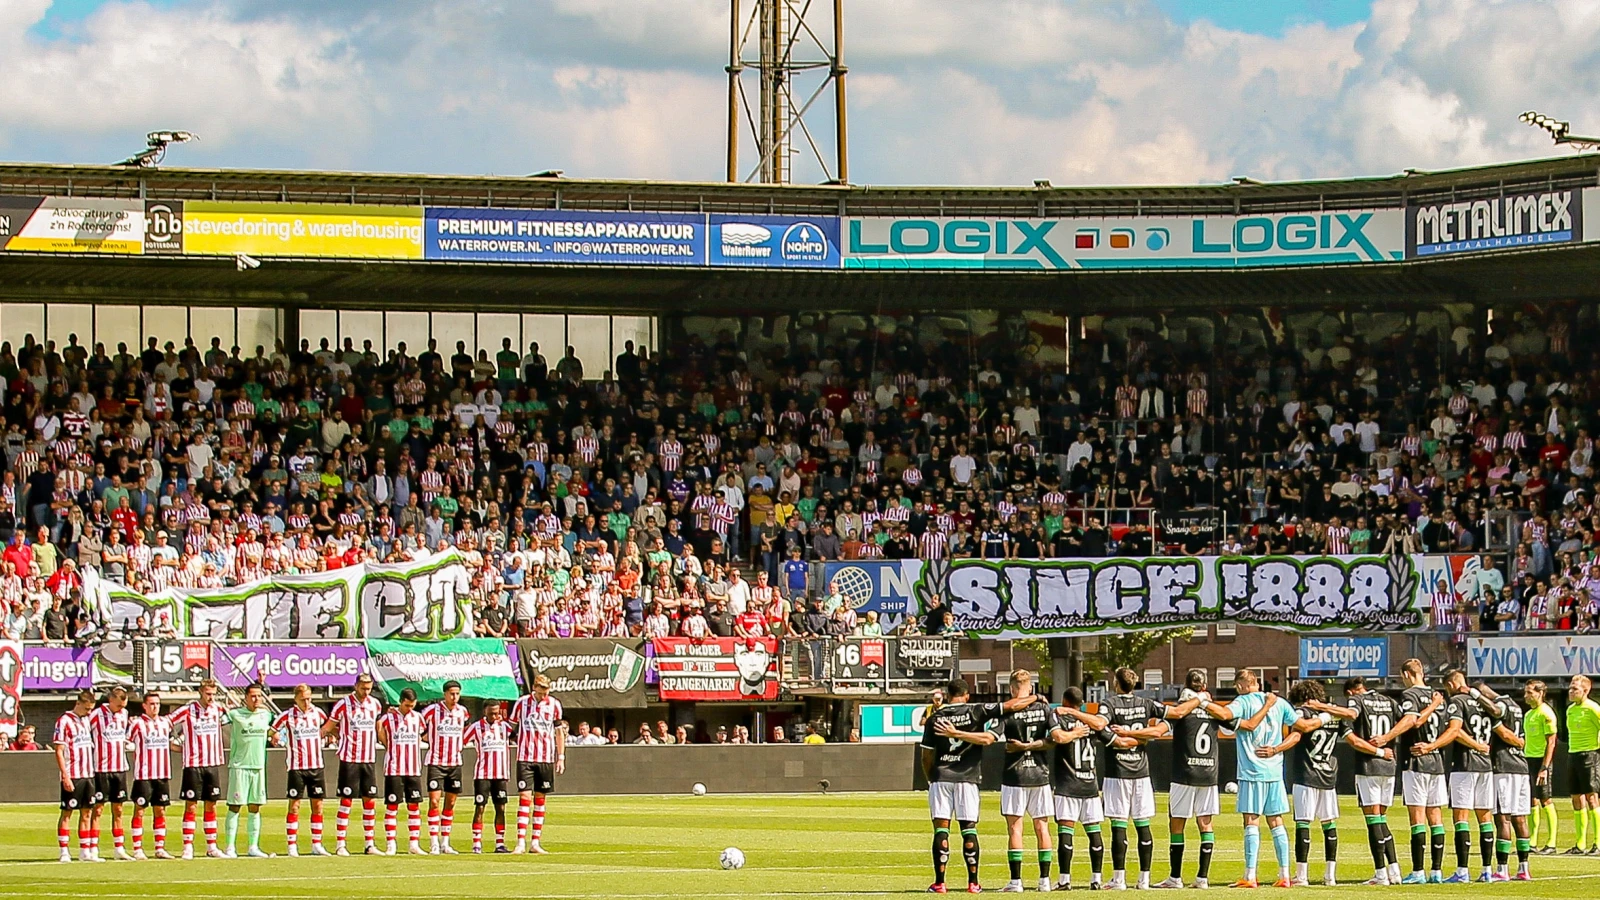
(1196,242)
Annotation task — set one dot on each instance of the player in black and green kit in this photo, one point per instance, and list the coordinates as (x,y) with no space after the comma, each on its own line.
(1315,772)
(1025,781)
(1075,779)
(1193,794)
(1129,796)
(1422,781)
(953,739)
(1375,715)
(1471,775)
(1512,796)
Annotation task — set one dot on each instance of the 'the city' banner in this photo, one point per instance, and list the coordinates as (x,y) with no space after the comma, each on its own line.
(422,600)
(717,668)
(588,673)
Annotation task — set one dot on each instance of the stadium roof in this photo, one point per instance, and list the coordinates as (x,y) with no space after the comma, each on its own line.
(1532,274)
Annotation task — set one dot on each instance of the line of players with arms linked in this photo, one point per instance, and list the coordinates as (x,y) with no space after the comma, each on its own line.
(1484,755)
(422,759)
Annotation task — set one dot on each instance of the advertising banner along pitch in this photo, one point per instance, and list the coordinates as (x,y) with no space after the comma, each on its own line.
(282,666)
(71,225)
(558,236)
(298,229)
(1497,223)
(480,664)
(57,669)
(774,241)
(588,673)
(717,668)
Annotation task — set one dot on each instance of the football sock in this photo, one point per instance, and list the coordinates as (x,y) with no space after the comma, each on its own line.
(1580,821)
(1119,846)
(137,828)
(1330,847)
(1524,847)
(291,829)
(1064,848)
(369,818)
(1436,846)
(447,820)
(1252,850)
(1097,851)
(161,828)
(1302,842)
(1502,853)
(1147,845)
(1535,822)
(941,853)
(64,837)
(341,822)
(1389,852)
(188,828)
(524,804)
(391,813)
(477,835)
(433,824)
(1486,842)
(253,830)
(538,816)
(1208,843)
(1375,842)
(414,822)
(116,836)
(316,828)
(1014,863)
(211,829)
(1552,824)
(969,850)
(1045,857)
(1463,844)
(1419,847)
(232,831)
(1175,854)
(1280,847)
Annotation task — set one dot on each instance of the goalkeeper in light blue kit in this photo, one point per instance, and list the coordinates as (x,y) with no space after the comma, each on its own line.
(1261,721)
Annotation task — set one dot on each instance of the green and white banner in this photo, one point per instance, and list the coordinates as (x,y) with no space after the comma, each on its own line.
(422,600)
(480,664)
(1061,597)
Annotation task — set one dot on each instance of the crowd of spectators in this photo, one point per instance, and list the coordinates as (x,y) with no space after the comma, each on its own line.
(691,491)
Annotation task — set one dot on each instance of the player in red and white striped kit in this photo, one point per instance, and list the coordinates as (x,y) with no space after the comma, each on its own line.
(492,736)
(150,736)
(299,728)
(110,726)
(355,718)
(74,744)
(201,722)
(400,732)
(541,756)
(444,724)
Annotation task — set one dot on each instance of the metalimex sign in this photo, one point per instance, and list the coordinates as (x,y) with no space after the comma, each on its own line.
(1515,221)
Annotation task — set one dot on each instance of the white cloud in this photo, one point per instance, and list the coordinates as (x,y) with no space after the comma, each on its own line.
(1004,91)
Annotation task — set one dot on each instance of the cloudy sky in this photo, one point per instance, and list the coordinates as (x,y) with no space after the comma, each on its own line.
(941,91)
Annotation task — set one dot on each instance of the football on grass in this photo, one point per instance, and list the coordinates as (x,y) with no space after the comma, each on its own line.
(733,858)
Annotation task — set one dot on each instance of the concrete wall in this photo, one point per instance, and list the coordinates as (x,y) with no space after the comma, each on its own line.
(722,768)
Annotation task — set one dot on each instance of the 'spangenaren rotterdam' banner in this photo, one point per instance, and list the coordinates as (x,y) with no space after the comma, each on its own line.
(588,673)
(1042,598)
(422,600)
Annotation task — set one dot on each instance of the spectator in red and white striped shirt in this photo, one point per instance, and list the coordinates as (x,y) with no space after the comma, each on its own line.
(445,726)
(299,728)
(1337,537)
(541,756)
(492,736)
(400,732)
(110,726)
(150,736)
(202,765)
(355,718)
(74,743)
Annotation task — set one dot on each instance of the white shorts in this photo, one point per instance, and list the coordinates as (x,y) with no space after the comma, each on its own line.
(1471,790)
(1128,799)
(1315,804)
(1187,801)
(1375,790)
(956,801)
(1033,802)
(1423,790)
(1512,795)
(1083,810)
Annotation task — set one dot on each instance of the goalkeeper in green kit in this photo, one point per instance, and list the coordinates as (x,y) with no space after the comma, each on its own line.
(248,728)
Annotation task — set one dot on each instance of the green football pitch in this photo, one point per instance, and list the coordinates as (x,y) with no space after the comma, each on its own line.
(667,847)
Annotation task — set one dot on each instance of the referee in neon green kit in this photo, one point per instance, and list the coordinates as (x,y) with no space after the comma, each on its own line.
(1583,773)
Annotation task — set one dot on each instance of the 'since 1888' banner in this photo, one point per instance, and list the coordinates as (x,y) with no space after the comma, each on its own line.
(1041,598)
(717,668)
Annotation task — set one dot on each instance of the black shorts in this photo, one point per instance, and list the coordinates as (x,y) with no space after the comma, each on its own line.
(445,778)
(305,784)
(1580,773)
(489,790)
(82,795)
(111,787)
(151,792)
(358,779)
(537,777)
(402,788)
(1539,791)
(203,784)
